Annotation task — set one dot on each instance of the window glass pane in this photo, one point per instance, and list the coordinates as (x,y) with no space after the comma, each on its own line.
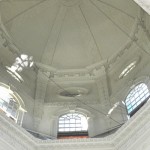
(66,121)
(61,121)
(66,125)
(61,129)
(138,102)
(72,129)
(78,125)
(8,103)
(129,106)
(66,129)
(129,110)
(72,122)
(136,96)
(147,95)
(79,129)
(78,121)
(61,125)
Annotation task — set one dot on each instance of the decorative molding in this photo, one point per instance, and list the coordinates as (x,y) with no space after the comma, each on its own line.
(67,104)
(41,87)
(91,72)
(123,139)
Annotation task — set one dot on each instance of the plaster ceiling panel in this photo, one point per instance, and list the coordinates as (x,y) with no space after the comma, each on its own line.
(109,26)
(13,8)
(89,92)
(69,34)
(6,57)
(75,47)
(119,16)
(127,7)
(30,29)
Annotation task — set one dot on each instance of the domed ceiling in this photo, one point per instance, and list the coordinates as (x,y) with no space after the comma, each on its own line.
(69,34)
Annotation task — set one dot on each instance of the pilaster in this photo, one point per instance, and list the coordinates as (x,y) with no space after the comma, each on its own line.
(41,86)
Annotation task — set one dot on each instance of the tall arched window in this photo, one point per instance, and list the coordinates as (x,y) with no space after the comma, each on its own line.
(10,105)
(136,98)
(72,124)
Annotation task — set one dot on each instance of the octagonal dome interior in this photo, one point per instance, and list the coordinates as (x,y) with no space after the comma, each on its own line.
(69,34)
(88,55)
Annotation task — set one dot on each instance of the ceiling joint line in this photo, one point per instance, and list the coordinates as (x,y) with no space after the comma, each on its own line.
(51,30)
(26,10)
(91,32)
(131,38)
(107,4)
(100,10)
(58,37)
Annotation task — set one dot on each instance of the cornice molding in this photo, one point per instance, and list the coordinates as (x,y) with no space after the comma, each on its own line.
(67,104)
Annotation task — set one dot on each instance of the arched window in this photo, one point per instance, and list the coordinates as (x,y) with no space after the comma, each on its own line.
(136,98)
(72,124)
(9,104)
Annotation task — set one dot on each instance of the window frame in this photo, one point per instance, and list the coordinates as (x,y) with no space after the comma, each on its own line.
(15,107)
(138,100)
(74,124)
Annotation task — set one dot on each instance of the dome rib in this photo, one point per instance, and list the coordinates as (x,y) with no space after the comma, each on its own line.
(91,32)
(68,34)
(24,11)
